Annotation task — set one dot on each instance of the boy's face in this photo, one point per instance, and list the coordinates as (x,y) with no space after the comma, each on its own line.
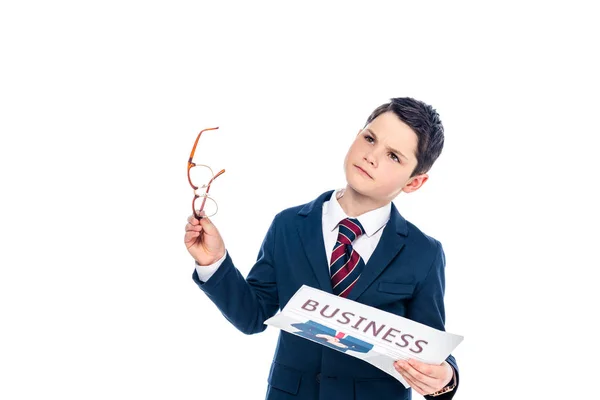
(382,158)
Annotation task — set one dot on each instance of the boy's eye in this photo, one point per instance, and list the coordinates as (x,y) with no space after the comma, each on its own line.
(394,157)
(369,139)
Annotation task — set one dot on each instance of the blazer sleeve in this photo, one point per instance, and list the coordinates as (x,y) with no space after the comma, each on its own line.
(246,302)
(427,305)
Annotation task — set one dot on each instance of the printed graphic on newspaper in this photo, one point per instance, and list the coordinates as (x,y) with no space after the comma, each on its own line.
(375,336)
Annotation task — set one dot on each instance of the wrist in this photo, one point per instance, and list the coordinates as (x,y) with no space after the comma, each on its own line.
(205,263)
(211,261)
(449,387)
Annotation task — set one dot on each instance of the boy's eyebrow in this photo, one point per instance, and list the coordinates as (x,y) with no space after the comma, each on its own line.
(388,147)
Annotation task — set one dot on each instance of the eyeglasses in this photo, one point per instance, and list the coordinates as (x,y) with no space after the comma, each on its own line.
(202,174)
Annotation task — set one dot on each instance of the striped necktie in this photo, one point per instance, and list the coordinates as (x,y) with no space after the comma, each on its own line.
(346,264)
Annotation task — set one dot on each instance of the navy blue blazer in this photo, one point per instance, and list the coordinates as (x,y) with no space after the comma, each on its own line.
(404,276)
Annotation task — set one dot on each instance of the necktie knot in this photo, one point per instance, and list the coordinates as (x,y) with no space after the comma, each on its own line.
(349,230)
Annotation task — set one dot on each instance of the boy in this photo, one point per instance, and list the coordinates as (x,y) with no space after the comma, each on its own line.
(353,243)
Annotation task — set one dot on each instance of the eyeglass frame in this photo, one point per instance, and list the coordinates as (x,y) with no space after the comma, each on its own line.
(205,195)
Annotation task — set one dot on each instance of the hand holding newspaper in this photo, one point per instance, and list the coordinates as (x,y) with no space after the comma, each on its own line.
(375,336)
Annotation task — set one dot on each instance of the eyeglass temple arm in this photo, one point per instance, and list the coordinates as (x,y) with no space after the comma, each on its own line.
(214,177)
(190,163)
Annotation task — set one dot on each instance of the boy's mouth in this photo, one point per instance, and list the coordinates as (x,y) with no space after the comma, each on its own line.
(363,171)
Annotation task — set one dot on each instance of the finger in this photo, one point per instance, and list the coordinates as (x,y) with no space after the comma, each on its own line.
(441,374)
(424,382)
(414,385)
(191,236)
(195,228)
(432,371)
(208,226)
(410,380)
(192,220)
(423,372)
(200,215)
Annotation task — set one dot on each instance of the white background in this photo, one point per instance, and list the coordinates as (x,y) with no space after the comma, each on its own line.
(100,104)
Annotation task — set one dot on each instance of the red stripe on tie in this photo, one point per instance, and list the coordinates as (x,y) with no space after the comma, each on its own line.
(339,276)
(353,227)
(343,238)
(346,270)
(346,291)
(337,253)
(351,264)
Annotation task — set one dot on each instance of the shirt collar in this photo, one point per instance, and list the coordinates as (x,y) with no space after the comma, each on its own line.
(371,221)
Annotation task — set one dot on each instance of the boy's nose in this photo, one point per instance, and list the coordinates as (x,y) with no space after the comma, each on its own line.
(371,159)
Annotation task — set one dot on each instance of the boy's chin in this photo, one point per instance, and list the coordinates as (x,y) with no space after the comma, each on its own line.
(361,188)
(366,191)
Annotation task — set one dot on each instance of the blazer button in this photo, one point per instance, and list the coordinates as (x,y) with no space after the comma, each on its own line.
(319,377)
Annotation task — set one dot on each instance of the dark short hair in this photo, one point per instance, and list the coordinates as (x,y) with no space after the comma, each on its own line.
(424,121)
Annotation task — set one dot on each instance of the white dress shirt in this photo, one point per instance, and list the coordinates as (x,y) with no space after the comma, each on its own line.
(372,222)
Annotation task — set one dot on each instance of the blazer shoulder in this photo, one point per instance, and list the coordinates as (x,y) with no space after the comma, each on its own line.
(289,212)
(287,217)
(421,238)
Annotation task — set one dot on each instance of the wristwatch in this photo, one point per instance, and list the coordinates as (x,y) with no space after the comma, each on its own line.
(448,388)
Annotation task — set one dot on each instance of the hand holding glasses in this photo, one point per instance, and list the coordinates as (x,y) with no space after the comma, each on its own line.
(200,177)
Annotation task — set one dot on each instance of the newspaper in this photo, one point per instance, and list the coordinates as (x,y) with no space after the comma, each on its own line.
(375,336)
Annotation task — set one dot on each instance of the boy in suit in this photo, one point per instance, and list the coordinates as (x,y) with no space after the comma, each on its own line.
(351,242)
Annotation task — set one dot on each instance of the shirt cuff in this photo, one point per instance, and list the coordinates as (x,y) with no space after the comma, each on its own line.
(206,271)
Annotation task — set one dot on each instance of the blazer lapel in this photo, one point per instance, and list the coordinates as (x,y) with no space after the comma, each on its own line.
(310,230)
(392,241)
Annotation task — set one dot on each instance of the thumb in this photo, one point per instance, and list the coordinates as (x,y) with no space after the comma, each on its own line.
(207,225)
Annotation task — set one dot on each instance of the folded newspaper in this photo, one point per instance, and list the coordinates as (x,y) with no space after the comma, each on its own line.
(375,336)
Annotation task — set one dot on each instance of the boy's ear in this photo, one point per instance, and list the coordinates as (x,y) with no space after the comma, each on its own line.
(415,183)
